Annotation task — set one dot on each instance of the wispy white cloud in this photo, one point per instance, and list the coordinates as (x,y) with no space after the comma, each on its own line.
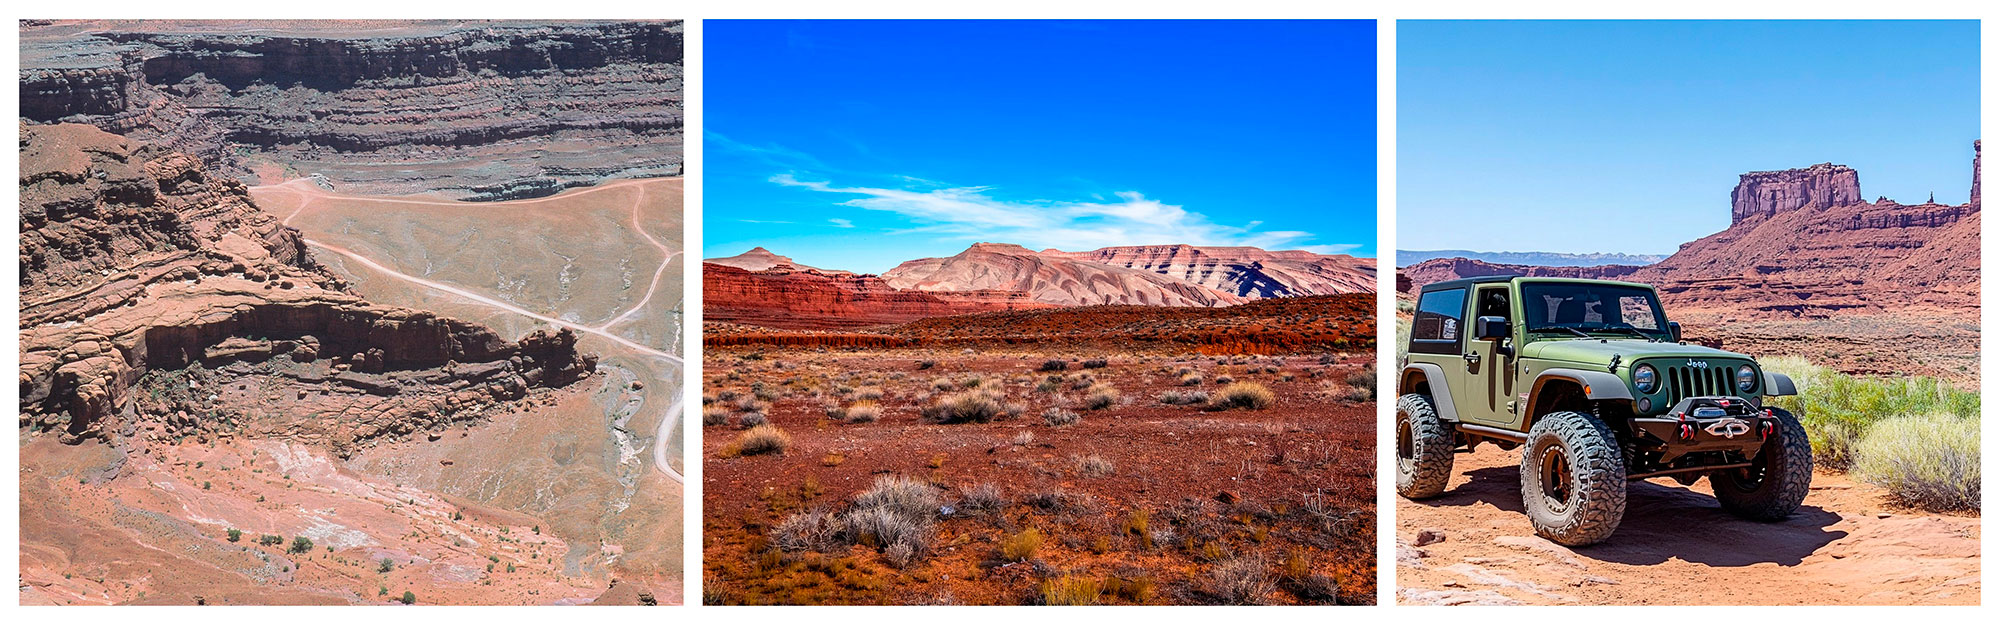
(975,214)
(764,221)
(840,223)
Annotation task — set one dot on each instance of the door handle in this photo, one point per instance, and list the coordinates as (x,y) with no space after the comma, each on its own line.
(1472,360)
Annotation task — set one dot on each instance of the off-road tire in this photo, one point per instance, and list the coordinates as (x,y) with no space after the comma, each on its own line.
(1590,476)
(1424,445)
(1784,466)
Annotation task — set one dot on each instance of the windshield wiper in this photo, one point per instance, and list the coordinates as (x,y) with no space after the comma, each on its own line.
(1634,331)
(1566,328)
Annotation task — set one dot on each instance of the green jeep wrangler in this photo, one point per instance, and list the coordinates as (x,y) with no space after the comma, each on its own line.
(1591,377)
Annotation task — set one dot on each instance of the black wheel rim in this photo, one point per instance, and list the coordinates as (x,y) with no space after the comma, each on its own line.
(1749,479)
(1556,479)
(1406,446)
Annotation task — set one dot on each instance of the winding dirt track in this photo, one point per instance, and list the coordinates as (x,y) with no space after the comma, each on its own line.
(1846,546)
(308,192)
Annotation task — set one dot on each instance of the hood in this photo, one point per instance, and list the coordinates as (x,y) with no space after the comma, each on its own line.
(1596,351)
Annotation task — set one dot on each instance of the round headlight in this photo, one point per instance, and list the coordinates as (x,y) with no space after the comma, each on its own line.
(1645,378)
(1746,378)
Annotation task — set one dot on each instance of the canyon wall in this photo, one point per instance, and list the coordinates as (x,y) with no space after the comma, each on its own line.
(809,299)
(1761,194)
(155,296)
(493,110)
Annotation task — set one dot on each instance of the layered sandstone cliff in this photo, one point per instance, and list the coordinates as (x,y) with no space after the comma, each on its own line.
(1801,242)
(492,110)
(1053,278)
(810,299)
(1246,272)
(1765,193)
(157,299)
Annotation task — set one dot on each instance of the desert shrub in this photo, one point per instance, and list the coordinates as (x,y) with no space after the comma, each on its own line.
(925,364)
(1013,409)
(1071,590)
(1059,500)
(750,403)
(301,544)
(1363,381)
(408,598)
(1048,386)
(942,384)
(1837,410)
(1224,379)
(1190,379)
(386,565)
(1928,461)
(983,498)
(1345,392)
(1096,363)
(868,393)
(752,419)
(1134,589)
(1183,398)
(884,529)
(901,555)
(269,540)
(812,530)
(1022,546)
(974,406)
(1100,397)
(1246,395)
(1054,365)
(1138,525)
(763,439)
(1024,438)
(902,495)
(1082,382)
(1094,465)
(235,535)
(1242,581)
(971,381)
(714,415)
(863,412)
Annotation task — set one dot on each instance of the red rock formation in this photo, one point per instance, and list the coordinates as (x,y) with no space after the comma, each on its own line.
(1801,243)
(455,100)
(1416,276)
(135,262)
(809,299)
(1764,193)
(1052,278)
(760,259)
(1246,272)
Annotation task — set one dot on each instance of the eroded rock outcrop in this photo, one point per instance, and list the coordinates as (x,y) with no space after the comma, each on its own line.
(363,104)
(1247,272)
(810,299)
(1053,278)
(157,299)
(1761,194)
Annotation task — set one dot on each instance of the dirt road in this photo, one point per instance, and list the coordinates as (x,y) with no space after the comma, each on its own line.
(1846,546)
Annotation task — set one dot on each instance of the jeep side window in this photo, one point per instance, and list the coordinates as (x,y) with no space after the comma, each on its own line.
(1439,322)
(1492,303)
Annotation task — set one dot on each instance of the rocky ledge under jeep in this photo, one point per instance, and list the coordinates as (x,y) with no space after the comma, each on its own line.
(1592,380)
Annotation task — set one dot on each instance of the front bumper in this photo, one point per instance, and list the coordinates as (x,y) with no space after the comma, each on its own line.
(1706,424)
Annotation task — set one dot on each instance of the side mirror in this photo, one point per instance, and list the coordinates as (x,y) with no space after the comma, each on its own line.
(1490,328)
(1674,329)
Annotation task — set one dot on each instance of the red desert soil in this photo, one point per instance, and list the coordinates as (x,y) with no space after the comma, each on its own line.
(1283,495)
(1846,546)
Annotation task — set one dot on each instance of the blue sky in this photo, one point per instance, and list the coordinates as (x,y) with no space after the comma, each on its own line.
(860,144)
(1628,136)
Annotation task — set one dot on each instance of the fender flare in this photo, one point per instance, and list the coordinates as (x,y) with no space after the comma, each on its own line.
(1779,385)
(1596,384)
(1440,388)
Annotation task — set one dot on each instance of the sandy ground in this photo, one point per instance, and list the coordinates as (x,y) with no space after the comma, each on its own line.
(1846,546)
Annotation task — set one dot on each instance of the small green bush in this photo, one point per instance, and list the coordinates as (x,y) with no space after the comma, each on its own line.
(1929,461)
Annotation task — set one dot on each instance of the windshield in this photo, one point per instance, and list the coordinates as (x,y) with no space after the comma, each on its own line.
(1574,307)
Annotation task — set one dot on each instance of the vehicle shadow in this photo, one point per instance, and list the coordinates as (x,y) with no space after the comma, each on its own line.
(1667,522)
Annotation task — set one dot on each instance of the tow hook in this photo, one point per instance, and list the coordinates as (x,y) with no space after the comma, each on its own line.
(1687,429)
(1770,423)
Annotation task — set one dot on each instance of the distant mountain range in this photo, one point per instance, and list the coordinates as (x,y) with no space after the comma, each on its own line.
(1405,258)
(762,288)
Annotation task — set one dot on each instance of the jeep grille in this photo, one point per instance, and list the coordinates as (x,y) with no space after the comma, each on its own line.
(1685,382)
